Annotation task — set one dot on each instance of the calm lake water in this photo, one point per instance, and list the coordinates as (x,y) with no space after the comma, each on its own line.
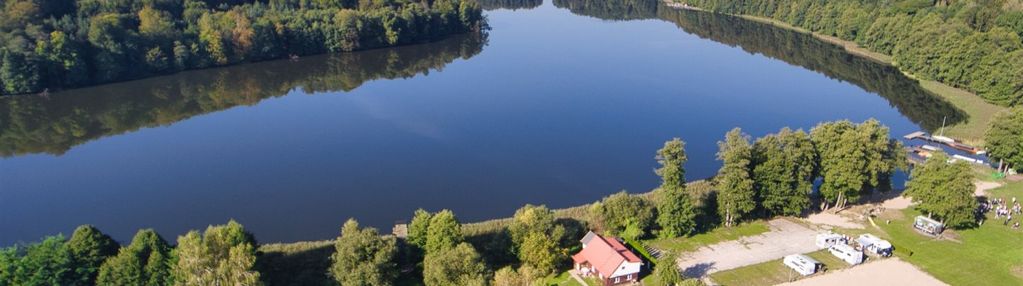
(562,104)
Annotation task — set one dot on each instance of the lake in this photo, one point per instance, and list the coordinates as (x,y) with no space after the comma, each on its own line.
(561,103)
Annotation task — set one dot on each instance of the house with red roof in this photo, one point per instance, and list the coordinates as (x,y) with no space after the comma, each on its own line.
(606,258)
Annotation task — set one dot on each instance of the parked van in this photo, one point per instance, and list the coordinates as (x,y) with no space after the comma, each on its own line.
(847,253)
(802,264)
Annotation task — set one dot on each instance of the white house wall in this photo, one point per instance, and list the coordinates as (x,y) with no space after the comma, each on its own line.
(627,268)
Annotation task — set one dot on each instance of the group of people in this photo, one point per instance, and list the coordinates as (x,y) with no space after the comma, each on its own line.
(1003,208)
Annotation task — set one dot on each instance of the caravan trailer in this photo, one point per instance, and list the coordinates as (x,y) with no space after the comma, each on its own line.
(802,264)
(928,225)
(847,253)
(875,244)
(827,239)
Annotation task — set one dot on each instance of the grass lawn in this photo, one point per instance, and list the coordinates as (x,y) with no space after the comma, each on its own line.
(686,244)
(991,254)
(773,272)
(562,278)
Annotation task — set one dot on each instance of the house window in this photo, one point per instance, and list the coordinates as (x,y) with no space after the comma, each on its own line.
(629,277)
(618,279)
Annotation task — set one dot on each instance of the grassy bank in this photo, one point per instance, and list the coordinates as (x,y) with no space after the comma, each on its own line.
(986,255)
(979,112)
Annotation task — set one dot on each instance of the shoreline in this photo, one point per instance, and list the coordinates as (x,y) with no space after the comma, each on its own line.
(980,113)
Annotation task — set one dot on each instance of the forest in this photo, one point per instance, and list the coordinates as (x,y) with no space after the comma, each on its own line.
(974,45)
(52,44)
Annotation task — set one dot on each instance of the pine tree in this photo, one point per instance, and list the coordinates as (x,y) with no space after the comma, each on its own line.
(89,248)
(146,261)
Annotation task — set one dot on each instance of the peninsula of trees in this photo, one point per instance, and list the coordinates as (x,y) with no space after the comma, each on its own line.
(50,44)
(975,45)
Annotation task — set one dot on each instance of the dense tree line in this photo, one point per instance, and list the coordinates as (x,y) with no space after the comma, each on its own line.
(1005,139)
(510,4)
(222,255)
(52,44)
(975,45)
(800,49)
(771,176)
(56,123)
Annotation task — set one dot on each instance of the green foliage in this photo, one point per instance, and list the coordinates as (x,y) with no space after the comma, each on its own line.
(944,190)
(89,248)
(91,41)
(418,229)
(854,158)
(974,45)
(1004,138)
(146,261)
(222,255)
(444,232)
(457,265)
(537,238)
(508,276)
(620,210)
(785,166)
(363,257)
(666,271)
(676,213)
(736,197)
(48,262)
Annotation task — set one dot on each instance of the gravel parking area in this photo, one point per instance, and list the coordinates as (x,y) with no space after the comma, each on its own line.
(785,238)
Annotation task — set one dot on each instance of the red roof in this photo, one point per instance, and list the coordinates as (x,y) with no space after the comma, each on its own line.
(605,255)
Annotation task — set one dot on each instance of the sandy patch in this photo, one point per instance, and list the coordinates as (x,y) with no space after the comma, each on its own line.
(983,186)
(890,271)
(897,203)
(827,218)
(785,238)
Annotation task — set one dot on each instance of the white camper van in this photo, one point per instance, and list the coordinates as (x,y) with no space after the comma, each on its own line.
(802,264)
(847,253)
(827,239)
(875,244)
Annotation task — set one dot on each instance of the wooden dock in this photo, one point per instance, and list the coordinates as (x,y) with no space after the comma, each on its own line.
(915,135)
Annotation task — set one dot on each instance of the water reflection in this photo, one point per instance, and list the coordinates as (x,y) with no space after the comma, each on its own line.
(800,49)
(58,122)
(510,4)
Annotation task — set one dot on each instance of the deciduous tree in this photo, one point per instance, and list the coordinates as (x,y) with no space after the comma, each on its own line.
(736,197)
(363,258)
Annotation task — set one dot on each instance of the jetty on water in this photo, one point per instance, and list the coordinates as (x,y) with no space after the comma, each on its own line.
(954,144)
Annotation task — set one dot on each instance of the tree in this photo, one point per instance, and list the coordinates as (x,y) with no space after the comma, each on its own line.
(45,263)
(736,198)
(1004,139)
(508,276)
(620,211)
(854,159)
(89,248)
(363,257)
(146,261)
(458,265)
(18,73)
(444,232)
(944,190)
(666,270)
(223,255)
(783,172)
(536,238)
(418,229)
(676,213)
